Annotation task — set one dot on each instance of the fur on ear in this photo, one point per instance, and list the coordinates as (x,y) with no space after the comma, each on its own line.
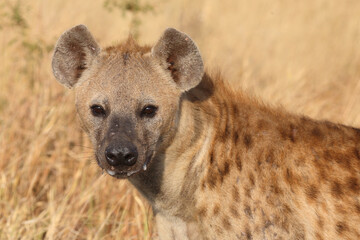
(73,54)
(179,55)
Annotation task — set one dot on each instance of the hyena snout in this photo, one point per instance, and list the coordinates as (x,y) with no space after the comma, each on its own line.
(121,154)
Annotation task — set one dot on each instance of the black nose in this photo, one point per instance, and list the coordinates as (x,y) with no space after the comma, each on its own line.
(121,155)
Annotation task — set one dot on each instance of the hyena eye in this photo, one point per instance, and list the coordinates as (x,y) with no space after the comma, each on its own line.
(148,111)
(97,110)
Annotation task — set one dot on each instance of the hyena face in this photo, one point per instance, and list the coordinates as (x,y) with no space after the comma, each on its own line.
(127,97)
(126,108)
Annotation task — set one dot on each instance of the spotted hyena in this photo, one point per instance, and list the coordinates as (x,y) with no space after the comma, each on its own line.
(212,162)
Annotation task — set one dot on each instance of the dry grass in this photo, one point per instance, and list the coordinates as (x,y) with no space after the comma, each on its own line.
(304,55)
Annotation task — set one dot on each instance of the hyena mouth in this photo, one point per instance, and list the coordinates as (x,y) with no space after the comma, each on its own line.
(124,174)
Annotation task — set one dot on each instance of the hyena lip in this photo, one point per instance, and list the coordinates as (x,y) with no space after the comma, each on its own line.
(125,174)
(121,175)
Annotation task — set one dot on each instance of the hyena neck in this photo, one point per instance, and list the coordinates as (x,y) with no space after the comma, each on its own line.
(206,120)
(213,124)
(180,163)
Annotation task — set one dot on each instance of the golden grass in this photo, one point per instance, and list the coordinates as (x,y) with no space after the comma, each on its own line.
(304,55)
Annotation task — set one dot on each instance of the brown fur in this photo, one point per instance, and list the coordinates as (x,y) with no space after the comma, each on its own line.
(226,166)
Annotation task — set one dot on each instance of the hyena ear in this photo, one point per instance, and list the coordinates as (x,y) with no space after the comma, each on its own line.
(179,55)
(74,52)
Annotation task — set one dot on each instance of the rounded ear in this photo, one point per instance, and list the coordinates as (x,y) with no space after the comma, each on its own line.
(179,55)
(73,54)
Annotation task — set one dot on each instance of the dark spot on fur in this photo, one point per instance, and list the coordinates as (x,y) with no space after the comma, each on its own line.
(356,153)
(258,165)
(234,212)
(248,212)
(247,192)
(341,227)
(211,158)
(238,162)
(317,133)
(221,177)
(261,124)
(226,132)
(283,133)
(288,133)
(235,109)
(202,212)
(252,179)
(236,137)
(212,182)
(312,192)
(267,224)
(248,234)
(357,207)
(212,177)
(277,190)
(336,189)
(275,187)
(292,133)
(216,209)
(353,184)
(226,169)
(247,141)
(235,194)
(226,223)
(305,119)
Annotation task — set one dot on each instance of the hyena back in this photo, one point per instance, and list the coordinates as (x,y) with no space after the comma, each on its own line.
(212,162)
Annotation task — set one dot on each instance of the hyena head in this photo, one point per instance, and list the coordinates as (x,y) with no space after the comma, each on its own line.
(127,97)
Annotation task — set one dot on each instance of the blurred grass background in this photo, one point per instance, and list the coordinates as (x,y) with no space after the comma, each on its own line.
(304,55)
